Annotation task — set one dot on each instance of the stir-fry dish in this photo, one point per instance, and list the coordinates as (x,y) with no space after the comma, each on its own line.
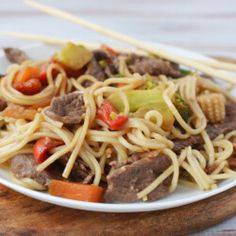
(109,126)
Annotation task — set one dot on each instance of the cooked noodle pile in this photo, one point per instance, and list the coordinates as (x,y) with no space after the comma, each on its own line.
(92,140)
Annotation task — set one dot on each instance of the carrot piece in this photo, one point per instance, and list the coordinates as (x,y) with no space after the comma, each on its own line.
(40,105)
(76,191)
(19,112)
(27,73)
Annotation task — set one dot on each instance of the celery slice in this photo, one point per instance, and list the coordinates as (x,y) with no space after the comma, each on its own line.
(150,99)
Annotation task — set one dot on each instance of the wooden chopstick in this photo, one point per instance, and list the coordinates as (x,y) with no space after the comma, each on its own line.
(61,42)
(139,44)
(219,64)
(34,37)
(46,39)
(57,41)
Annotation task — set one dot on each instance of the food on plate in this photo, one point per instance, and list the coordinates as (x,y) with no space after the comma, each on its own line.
(110,126)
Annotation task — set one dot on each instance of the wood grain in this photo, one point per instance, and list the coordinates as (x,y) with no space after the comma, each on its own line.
(20,215)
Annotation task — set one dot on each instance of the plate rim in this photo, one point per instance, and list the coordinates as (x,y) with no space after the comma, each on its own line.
(112,207)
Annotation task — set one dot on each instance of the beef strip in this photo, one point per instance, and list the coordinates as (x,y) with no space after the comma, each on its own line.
(96,69)
(137,64)
(15,55)
(213,130)
(232,162)
(232,159)
(68,109)
(24,166)
(211,168)
(110,67)
(146,65)
(100,55)
(80,171)
(3,105)
(126,181)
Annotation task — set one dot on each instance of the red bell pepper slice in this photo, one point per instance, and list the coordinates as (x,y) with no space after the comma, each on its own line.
(27,81)
(29,87)
(43,74)
(43,146)
(108,114)
(26,73)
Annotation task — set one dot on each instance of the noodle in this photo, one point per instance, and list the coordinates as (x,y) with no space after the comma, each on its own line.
(28,183)
(209,147)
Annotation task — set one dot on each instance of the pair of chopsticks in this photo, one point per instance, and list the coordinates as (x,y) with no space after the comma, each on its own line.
(207,66)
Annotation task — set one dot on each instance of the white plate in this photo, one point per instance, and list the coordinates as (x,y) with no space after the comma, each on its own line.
(181,196)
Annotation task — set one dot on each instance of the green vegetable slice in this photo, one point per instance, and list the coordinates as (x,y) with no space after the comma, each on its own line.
(146,99)
(74,56)
(186,72)
(181,106)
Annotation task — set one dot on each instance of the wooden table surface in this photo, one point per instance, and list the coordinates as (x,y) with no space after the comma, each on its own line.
(206,26)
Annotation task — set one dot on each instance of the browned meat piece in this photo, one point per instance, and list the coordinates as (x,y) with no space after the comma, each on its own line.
(107,62)
(80,171)
(125,182)
(68,109)
(232,162)
(213,130)
(145,65)
(100,55)
(232,159)
(111,69)
(3,105)
(211,168)
(24,166)
(96,70)
(101,66)
(15,55)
